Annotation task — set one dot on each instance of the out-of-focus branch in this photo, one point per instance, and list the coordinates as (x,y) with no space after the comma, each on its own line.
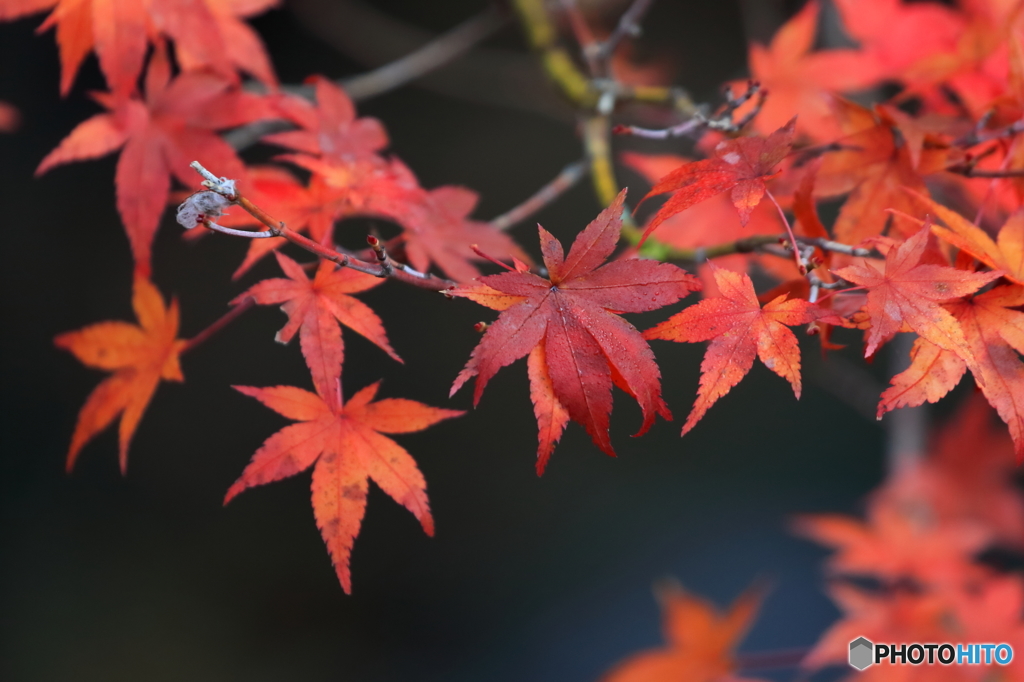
(441,50)
(493,76)
(597,144)
(226,319)
(566,179)
(907,427)
(629,25)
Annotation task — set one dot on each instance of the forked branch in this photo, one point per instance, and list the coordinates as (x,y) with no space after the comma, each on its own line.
(384,267)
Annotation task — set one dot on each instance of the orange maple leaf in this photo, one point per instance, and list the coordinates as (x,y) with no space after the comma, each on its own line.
(345,444)
(315,308)
(906,293)
(739,330)
(1005,252)
(994,333)
(740,167)
(573,315)
(874,165)
(894,545)
(139,355)
(701,640)
(160,137)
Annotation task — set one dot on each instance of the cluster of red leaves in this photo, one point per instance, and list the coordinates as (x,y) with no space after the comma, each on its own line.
(207,34)
(884,165)
(918,549)
(171,120)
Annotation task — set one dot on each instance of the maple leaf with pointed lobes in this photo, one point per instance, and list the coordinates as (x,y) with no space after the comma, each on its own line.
(160,137)
(330,128)
(1005,253)
(713,222)
(906,293)
(799,81)
(739,166)
(315,308)
(899,34)
(994,333)
(875,165)
(207,35)
(139,355)
(739,329)
(438,230)
(894,545)
(701,640)
(344,445)
(572,316)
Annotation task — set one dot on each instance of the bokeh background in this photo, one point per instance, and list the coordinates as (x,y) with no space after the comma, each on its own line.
(149,578)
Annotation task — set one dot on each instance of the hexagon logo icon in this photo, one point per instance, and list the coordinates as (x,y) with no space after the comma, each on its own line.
(861,650)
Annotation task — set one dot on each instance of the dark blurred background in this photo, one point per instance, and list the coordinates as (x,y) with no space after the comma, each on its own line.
(149,578)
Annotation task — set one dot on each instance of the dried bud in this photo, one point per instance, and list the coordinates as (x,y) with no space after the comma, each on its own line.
(200,206)
(481,327)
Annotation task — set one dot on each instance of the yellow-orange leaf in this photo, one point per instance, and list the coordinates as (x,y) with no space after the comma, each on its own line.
(138,355)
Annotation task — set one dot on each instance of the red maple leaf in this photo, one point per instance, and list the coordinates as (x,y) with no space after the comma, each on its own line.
(800,81)
(438,230)
(207,35)
(139,355)
(739,330)
(906,293)
(713,222)
(739,166)
(899,33)
(161,136)
(345,444)
(700,640)
(330,128)
(315,308)
(572,317)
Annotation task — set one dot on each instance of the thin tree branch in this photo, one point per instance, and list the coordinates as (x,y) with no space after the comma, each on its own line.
(226,319)
(629,25)
(986,173)
(385,267)
(797,257)
(721,120)
(585,37)
(566,179)
(447,47)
